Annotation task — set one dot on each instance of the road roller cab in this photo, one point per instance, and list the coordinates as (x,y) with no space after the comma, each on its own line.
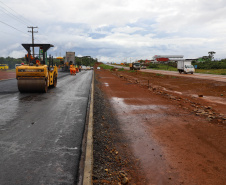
(36,75)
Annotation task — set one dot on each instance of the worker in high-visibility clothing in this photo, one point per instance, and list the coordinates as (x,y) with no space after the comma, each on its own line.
(72,70)
(76,68)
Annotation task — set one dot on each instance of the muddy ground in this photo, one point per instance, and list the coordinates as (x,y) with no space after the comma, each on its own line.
(158,129)
(7,74)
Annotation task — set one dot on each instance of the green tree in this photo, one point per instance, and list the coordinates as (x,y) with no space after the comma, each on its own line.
(211,54)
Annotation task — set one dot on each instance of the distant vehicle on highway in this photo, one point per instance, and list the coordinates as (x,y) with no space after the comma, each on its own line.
(83,67)
(185,67)
(134,66)
(143,67)
(88,67)
(4,66)
(17,65)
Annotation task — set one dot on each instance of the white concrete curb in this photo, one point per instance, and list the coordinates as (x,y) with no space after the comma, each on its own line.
(88,166)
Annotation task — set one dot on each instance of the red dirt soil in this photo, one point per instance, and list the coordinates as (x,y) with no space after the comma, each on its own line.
(175,126)
(4,75)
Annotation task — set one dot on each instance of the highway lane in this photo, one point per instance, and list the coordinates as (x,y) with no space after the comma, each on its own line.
(221,78)
(10,85)
(41,134)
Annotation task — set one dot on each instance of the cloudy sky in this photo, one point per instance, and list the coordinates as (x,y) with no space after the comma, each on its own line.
(116,30)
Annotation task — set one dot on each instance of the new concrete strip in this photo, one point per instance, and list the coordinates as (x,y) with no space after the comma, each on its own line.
(88,166)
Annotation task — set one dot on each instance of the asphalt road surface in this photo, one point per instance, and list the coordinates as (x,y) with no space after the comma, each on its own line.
(41,134)
(221,78)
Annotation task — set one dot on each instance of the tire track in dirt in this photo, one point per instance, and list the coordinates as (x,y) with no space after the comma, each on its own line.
(173,143)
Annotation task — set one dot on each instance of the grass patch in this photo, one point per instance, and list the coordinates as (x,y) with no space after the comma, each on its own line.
(174,77)
(106,66)
(172,67)
(131,71)
(162,67)
(159,74)
(121,69)
(211,71)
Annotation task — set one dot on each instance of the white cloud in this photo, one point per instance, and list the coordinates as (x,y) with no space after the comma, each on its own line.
(115,29)
(17,54)
(126,29)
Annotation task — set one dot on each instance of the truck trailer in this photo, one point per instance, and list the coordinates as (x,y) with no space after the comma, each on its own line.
(69,60)
(185,67)
(134,66)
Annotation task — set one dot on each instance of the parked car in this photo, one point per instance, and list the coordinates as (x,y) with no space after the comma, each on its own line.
(83,67)
(17,65)
(143,67)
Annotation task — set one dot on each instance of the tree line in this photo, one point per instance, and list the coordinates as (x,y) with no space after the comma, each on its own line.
(215,64)
(208,64)
(87,61)
(11,61)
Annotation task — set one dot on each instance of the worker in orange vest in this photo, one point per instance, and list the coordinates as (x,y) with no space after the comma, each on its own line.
(72,70)
(38,62)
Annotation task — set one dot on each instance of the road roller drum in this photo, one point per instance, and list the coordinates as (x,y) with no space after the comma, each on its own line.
(32,85)
(36,75)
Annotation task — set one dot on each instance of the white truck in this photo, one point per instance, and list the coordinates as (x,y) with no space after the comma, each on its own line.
(84,67)
(185,67)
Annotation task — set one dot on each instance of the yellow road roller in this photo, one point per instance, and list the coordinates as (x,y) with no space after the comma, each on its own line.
(36,75)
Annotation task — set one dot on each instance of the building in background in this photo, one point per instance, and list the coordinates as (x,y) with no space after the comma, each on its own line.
(167,58)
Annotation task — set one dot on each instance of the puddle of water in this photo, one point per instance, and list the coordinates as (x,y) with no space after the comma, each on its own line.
(121,102)
(106,84)
(135,127)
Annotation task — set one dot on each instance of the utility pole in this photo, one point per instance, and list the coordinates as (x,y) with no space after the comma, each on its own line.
(32,31)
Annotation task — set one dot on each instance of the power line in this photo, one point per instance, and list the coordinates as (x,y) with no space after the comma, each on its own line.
(11,15)
(24,21)
(15,17)
(13,27)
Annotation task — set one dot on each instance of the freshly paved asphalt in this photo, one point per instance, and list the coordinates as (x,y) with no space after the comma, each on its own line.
(41,134)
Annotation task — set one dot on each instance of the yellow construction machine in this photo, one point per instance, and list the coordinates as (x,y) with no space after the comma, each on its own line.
(36,75)
(4,66)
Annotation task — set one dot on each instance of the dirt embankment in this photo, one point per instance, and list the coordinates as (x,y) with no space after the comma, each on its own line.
(169,131)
